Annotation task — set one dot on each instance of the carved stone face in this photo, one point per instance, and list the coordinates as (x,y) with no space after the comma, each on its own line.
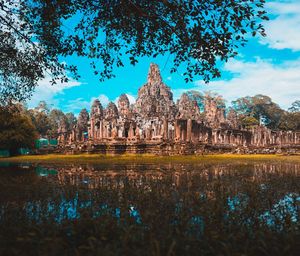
(97,109)
(188,109)
(155,99)
(123,105)
(154,76)
(111,111)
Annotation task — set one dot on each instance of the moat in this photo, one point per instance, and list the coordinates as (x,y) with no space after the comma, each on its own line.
(223,207)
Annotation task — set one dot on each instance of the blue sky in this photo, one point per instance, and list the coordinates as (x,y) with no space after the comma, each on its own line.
(269,66)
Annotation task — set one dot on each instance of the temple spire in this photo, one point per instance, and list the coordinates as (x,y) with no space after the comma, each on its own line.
(154,74)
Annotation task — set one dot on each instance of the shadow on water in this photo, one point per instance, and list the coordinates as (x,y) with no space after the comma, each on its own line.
(193,201)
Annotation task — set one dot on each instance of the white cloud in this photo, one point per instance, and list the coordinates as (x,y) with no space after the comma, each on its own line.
(104,100)
(283,30)
(280,82)
(131,98)
(79,103)
(47,92)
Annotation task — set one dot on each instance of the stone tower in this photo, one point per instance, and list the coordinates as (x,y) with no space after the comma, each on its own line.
(111,111)
(96,109)
(214,114)
(96,120)
(123,105)
(188,109)
(155,99)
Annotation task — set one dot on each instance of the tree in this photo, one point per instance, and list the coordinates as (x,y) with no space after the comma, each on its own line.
(58,121)
(200,98)
(16,130)
(197,97)
(295,106)
(82,123)
(35,34)
(220,101)
(72,121)
(243,106)
(40,120)
(249,121)
(42,107)
(290,121)
(24,58)
(260,107)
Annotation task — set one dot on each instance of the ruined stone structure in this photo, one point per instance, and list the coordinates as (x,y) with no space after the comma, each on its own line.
(155,124)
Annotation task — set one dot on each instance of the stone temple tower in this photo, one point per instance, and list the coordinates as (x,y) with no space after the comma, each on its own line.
(155,99)
(96,120)
(123,106)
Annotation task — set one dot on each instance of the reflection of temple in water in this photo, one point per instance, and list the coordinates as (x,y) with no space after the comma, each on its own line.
(272,189)
(189,176)
(156,124)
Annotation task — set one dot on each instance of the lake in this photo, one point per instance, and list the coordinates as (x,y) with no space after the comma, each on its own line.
(211,208)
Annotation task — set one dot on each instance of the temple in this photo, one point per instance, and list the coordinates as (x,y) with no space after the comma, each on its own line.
(156,124)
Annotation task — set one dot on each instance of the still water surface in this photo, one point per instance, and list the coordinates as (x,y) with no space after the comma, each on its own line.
(208,208)
(247,193)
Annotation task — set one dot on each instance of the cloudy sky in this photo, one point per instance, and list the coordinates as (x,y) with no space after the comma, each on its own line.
(269,66)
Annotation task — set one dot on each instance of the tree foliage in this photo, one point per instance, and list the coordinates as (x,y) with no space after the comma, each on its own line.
(83,120)
(248,121)
(58,120)
(50,123)
(16,130)
(290,121)
(43,107)
(34,34)
(71,119)
(201,98)
(24,58)
(295,106)
(41,121)
(259,107)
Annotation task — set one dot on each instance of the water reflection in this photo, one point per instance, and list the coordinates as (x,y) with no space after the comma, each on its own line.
(42,171)
(287,207)
(244,193)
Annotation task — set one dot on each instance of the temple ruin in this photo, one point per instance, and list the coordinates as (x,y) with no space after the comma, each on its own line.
(156,124)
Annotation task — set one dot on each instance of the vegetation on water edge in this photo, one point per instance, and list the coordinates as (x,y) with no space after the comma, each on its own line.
(213,212)
(102,158)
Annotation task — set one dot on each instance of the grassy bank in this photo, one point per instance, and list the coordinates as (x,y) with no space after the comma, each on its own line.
(127,158)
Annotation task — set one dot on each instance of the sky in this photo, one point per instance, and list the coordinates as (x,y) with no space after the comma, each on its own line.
(269,66)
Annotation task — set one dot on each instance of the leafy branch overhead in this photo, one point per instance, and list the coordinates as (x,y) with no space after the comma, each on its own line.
(36,34)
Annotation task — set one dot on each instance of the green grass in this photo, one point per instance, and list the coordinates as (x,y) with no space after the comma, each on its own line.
(127,158)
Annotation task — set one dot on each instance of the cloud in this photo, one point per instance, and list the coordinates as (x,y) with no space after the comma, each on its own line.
(79,103)
(131,98)
(76,105)
(283,30)
(104,100)
(280,82)
(47,92)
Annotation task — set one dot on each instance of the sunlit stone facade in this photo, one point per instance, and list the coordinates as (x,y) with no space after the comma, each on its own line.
(156,124)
